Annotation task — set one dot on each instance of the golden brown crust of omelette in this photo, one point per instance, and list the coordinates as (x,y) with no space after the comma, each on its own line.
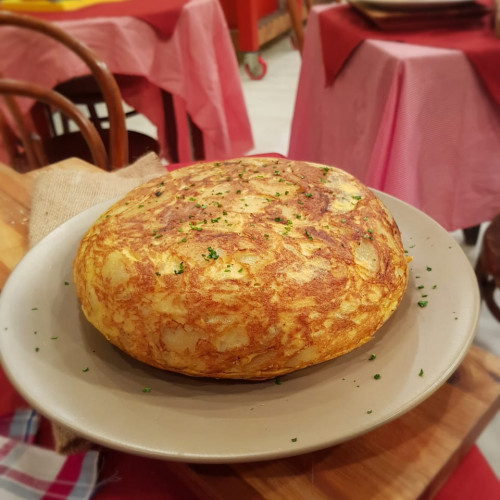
(246,269)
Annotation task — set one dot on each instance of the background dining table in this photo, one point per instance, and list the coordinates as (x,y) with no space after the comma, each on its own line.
(429,451)
(189,57)
(413,120)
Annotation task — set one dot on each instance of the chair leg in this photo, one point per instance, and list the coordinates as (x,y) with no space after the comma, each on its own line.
(295,15)
(471,235)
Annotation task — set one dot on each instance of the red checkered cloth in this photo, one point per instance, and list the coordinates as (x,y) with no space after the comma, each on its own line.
(29,471)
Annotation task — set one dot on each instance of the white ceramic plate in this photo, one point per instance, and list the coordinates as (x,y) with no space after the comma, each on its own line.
(414,4)
(67,370)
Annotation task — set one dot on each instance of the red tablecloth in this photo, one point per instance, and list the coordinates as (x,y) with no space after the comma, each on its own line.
(160,15)
(343,29)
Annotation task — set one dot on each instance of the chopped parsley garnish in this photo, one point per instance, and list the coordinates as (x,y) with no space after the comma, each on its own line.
(421,373)
(277,381)
(428,268)
(306,232)
(66,283)
(86,369)
(294,440)
(308,195)
(37,349)
(212,254)
(376,376)
(422,303)
(180,270)
(368,412)
(372,357)
(146,389)
(357,197)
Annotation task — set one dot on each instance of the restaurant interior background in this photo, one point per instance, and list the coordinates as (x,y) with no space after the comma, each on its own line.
(270,103)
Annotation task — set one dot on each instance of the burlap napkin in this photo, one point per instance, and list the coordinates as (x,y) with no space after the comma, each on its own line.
(61,193)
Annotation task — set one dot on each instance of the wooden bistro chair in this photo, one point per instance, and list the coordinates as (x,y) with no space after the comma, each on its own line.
(36,151)
(122,146)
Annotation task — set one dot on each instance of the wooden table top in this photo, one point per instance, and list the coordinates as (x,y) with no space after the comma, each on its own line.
(408,458)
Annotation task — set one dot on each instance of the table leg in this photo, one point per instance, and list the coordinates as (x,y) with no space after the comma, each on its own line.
(183,137)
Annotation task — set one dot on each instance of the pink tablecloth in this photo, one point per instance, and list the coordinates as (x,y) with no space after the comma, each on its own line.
(409,120)
(197,64)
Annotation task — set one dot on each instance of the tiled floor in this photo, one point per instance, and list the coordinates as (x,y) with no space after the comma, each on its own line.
(270,104)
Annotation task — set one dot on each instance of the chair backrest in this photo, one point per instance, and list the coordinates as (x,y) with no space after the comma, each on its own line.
(9,88)
(118,141)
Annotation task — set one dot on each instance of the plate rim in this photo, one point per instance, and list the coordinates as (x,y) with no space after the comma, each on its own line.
(252,456)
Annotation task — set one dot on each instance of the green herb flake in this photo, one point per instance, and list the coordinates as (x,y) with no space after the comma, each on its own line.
(37,349)
(428,268)
(306,232)
(372,357)
(277,380)
(357,197)
(66,283)
(308,195)
(86,369)
(146,389)
(421,373)
(422,303)
(420,287)
(212,254)
(294,440)
(369,411)
(377,376)
(180,270)
(54,338)
(34,308)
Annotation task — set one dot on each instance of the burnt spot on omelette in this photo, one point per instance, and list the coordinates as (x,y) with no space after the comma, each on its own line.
(245,269)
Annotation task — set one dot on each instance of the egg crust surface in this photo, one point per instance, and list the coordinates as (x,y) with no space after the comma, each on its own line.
(245,269)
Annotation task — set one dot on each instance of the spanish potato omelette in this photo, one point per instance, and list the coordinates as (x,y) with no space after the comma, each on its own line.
(244,269)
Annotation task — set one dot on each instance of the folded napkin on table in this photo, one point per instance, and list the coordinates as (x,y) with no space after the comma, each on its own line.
(343,29)
(29,471)
(58,195)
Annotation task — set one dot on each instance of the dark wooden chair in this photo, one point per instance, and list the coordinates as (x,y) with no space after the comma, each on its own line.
(122,146)
(488,266)
(22,142)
